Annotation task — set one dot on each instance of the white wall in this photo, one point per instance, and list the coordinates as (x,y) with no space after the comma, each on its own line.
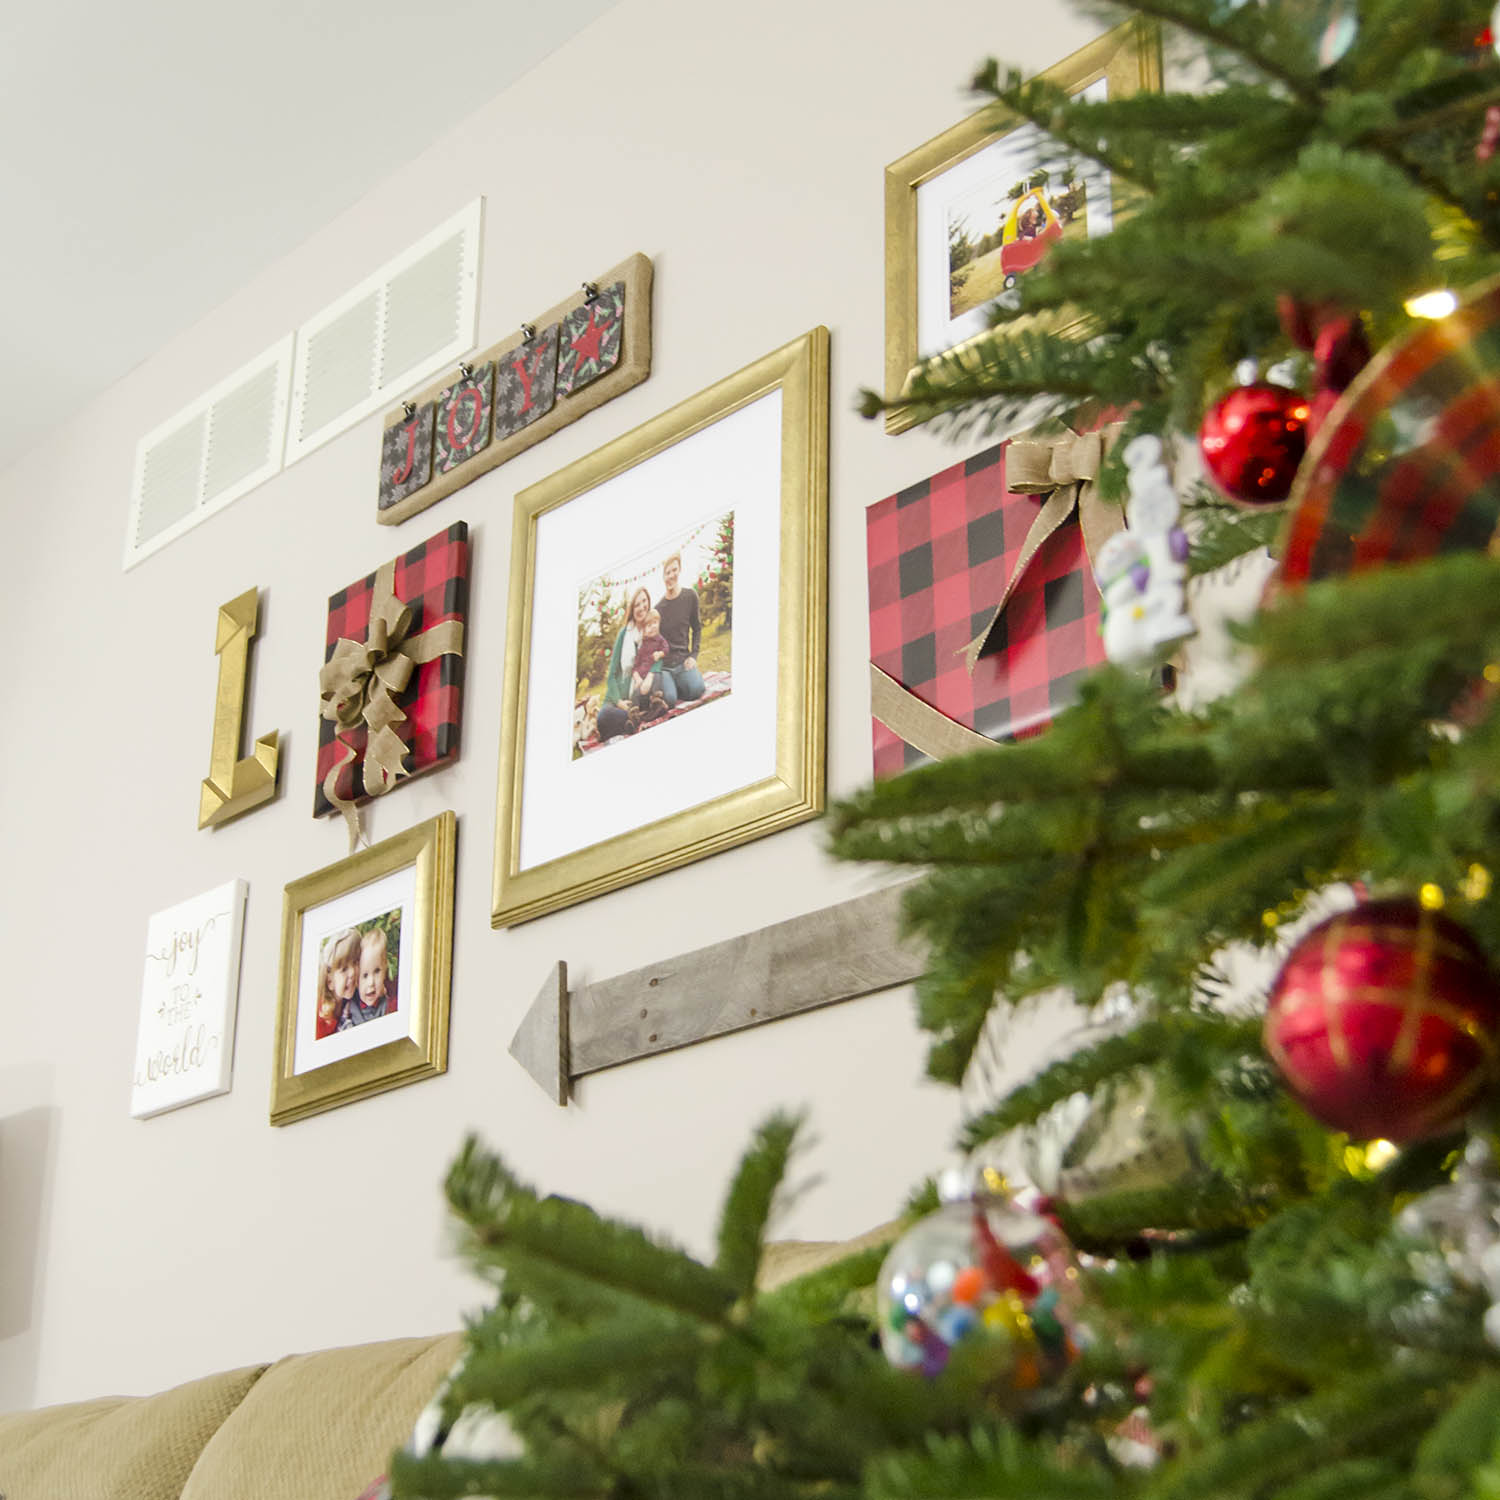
(741,148)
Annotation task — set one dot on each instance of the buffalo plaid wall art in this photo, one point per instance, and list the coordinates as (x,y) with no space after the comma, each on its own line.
(393,667)
(940,556)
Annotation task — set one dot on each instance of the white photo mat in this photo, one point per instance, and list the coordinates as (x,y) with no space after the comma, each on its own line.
(734,464)
(390,892)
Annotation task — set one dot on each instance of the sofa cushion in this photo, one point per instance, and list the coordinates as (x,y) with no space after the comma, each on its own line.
(322,1426)
(786,1260)
(120,1448)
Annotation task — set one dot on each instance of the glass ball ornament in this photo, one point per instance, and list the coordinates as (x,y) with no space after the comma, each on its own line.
(981,1271)
(1252,440)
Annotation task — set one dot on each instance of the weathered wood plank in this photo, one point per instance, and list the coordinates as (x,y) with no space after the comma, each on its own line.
(540,1044)
(826,956)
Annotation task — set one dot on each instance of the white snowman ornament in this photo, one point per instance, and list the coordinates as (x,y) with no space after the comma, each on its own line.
(1142,572)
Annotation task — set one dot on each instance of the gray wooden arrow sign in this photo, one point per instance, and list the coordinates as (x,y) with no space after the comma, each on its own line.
(835,954)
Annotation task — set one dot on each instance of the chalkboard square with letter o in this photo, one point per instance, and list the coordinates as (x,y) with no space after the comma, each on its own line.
(463,418)
(590,342)
(391,687)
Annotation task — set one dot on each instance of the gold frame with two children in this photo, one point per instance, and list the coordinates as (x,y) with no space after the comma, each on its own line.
(366,963)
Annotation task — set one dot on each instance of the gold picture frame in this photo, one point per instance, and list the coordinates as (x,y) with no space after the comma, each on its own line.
(921,319)
(397,896)
(588,802)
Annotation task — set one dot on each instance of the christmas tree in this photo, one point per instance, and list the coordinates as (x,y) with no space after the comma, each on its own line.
(1288,1291)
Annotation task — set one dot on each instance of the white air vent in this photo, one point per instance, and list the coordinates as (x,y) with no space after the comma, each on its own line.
(209,454)
(396,329)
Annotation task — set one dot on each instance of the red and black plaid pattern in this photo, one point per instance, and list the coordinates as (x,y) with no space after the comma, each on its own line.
(433,580)
(1408,464)
(940,555)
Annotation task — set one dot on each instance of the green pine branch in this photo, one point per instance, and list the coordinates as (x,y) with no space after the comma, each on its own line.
(752,1198)
(609,1357)
(1251,1298)
(434,1477)
(506,1223)
(1223,533)
(993,1461)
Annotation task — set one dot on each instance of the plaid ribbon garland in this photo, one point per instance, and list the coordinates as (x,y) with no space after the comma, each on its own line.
(1407,465)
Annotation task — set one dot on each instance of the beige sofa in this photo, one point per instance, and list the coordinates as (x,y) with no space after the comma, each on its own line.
(309,1427)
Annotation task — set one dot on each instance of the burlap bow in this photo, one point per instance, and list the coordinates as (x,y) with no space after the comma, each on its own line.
(1065,468)
(359,683)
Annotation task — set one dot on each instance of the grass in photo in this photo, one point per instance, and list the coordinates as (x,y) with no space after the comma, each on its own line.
(998,231)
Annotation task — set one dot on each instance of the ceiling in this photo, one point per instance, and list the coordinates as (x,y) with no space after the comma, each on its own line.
(158,155)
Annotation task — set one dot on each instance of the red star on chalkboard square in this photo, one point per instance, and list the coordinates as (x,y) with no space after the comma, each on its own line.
(586,345)
(591,339)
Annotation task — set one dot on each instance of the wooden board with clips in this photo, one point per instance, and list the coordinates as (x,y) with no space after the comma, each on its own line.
(633,366)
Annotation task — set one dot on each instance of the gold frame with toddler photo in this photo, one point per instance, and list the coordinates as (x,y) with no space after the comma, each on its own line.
(388,911)
(924,199)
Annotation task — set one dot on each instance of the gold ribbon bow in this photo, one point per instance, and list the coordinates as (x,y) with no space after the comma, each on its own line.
(1064,467)
(359,683)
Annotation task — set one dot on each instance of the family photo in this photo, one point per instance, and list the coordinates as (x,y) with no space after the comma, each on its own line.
(357,973)
(654,635)
(1001,229)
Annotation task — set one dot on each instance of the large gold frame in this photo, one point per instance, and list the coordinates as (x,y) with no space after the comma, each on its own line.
(1129,56)
(431,847)
(796,791)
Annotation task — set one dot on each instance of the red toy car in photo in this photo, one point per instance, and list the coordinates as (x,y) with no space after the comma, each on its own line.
(1030,227)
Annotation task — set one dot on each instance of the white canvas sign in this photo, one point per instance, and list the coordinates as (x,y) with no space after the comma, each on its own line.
(185,1047)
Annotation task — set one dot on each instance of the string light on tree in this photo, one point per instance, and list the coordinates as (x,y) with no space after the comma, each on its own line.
(1434,304)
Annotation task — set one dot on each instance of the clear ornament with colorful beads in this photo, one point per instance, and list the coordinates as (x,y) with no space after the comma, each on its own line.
(1462,1219)
(981,1270)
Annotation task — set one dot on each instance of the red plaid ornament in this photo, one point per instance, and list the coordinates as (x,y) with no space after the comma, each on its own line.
(1383,1020)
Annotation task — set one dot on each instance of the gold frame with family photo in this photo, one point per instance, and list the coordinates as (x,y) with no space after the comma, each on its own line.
(401,886)
(1124,61)
(753,447)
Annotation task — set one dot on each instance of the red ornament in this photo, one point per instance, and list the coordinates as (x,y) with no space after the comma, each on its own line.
(1384,1020)
(1252,441)
(1335,337)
